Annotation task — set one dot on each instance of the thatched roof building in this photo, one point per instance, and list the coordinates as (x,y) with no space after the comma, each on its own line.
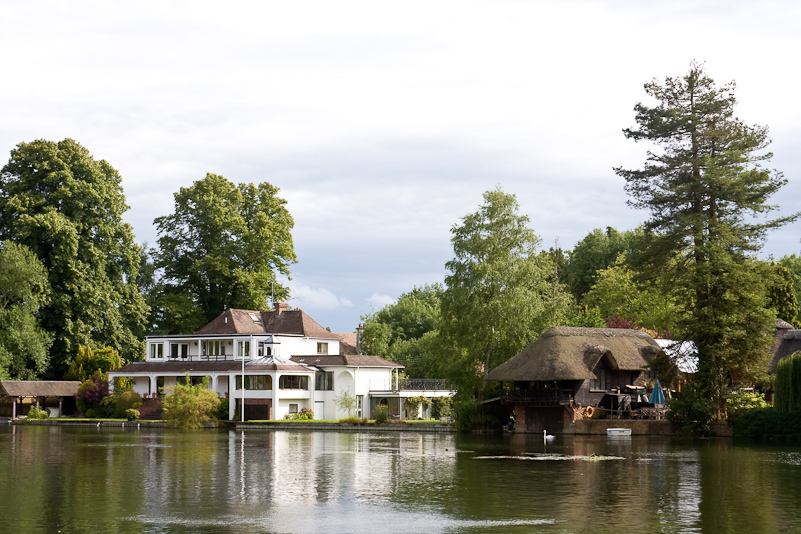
(788,342)
(571,353)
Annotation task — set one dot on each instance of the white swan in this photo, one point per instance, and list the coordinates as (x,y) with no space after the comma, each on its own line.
(546,436)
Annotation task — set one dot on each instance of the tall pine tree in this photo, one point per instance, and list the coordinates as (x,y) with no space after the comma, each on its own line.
(706,190)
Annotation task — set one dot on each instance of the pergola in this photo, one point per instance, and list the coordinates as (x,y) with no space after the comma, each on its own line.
(37,389)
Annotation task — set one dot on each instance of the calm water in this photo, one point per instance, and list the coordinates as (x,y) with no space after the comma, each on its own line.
(68,479)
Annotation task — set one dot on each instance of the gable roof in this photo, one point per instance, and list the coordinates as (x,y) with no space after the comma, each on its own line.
(39,388)
(288,322)
(348,342)
(788,341)
(571,353)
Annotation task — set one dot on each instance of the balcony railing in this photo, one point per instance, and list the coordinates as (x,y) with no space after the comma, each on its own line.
(538,396)
(414,384)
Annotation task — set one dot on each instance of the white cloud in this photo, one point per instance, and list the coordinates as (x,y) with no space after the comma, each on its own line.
(379,301)
(304,296)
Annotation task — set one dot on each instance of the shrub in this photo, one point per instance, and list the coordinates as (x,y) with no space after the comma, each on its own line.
(222,410)
(90,394)
(91,414)
(353,420)
(132,413)
(188,407)
(691,411)
(740,402)
(36,413)
(767,424)
(381,413)
(441,407)
(125,401)
(787,384)
(304,414)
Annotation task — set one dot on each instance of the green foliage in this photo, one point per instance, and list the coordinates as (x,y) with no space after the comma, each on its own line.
(705,190)
(406,332)
(132,413)
(741,401)
(500,294)
(89,363)
(787,384)
(381,413)
(616,292)
(67,207)
(353,420)
(188,407)
(345,401)
(691,411)
(470,416)
(793,264)
(441,407)
(125,401)
(782,295)
(23,291)
(767,424)
(221,248)
(222,410)
(595,252)
(36,413)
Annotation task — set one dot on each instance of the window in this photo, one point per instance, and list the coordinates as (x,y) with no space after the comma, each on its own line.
(359,405)
(293,382)
(324,381)
(322,348)
(243,348)
(214,348)
(600,383)
(179,350)
(157,350)
(257,382)
(293,408)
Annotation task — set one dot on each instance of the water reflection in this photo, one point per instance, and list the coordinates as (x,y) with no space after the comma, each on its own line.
(114,480)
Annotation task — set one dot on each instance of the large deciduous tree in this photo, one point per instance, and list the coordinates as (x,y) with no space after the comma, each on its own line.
(67,207)
(222,247)
(706,191)
(596,251)
(23,290)
(500,294)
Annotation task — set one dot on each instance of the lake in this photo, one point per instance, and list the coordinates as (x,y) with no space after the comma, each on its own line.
(79,479)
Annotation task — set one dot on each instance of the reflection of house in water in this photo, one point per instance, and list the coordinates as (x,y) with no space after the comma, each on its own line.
(570,367)
(284,359)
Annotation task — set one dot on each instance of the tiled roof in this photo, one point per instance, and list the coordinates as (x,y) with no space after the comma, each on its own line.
(348,342)
(291,322)
(39,388)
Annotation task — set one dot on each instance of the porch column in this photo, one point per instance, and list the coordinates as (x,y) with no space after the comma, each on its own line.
(153,387)
(14,408)
(214,383)
(231,396)
(60,405)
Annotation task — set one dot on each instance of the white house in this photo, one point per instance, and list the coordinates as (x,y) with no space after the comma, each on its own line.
(286,360)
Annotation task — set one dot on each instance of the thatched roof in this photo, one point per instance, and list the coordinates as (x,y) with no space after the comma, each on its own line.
(39,388)
(570,353)
(787,343)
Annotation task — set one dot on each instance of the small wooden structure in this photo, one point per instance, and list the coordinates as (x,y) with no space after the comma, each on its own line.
(569,369)
(14,392)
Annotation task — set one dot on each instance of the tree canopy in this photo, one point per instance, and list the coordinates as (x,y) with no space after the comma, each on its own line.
(67,207)
(706,191)
(500,294)
(596,251)
(23,290)
(222,247)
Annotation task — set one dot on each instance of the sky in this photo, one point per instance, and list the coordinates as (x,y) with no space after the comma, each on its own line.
(383,123)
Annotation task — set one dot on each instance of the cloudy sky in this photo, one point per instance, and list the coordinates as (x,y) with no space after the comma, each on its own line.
(384,122)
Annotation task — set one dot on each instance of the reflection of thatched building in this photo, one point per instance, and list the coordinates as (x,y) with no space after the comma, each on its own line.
(570,366)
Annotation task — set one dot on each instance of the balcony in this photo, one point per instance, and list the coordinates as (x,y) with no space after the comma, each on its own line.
(538,396)
(412,384)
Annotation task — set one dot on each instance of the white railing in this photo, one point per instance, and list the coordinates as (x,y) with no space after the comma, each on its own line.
(413,384)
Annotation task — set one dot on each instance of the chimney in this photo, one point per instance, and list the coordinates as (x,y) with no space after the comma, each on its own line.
(280,307)
(359,330)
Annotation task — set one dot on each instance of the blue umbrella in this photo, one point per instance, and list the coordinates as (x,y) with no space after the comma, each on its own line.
(657,396)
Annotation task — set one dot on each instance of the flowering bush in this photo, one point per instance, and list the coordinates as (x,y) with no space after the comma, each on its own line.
(304,414)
